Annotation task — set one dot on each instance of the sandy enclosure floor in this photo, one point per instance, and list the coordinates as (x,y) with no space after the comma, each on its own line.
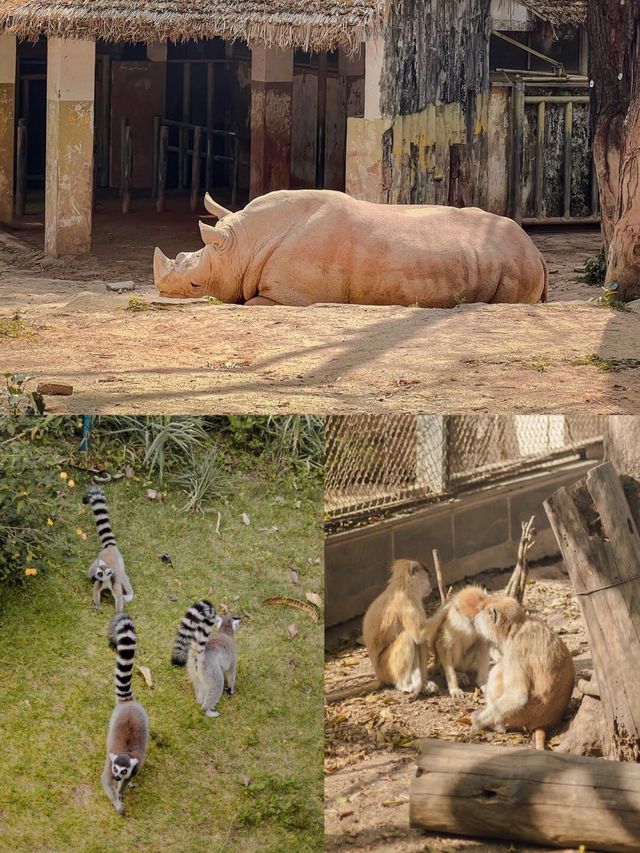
(371,741)
(198,357)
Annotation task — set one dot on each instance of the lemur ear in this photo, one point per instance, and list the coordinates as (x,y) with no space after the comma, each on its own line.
(235,622)
(217,621)
(112,756)
(133,761)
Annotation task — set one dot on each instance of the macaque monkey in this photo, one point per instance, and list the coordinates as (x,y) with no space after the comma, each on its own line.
(530,687)
(396,629)
(457,645)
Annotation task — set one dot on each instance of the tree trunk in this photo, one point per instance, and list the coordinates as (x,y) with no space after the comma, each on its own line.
(522,794)
(614,70)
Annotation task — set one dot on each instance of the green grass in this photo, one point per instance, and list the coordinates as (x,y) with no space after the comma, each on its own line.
(57,683)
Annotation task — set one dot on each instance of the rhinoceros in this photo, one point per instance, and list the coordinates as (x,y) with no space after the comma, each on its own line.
(299,247)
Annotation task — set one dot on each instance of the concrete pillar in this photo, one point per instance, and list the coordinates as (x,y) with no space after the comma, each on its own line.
(271,88)
(69,164)
(7,124)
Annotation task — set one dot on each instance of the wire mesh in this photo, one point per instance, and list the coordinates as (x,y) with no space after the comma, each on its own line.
(379,462)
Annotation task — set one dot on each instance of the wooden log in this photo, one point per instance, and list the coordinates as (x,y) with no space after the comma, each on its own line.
(600,545)
(439,576)
(518,580)
(521,794)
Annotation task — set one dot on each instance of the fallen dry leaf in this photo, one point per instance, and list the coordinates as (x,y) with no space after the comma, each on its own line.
(152,495)
(314,598)
(292,631)
(245,519)
(293,576)
(145,672)
(128,472)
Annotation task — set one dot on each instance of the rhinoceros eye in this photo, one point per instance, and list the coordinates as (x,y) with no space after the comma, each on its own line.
(195,285)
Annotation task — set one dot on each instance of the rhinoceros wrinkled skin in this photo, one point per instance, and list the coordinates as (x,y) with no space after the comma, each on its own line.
(299,247)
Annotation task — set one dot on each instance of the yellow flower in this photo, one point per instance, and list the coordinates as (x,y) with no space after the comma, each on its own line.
(50,522)
(71,484)
(63,475)
(30,572)
(78,531)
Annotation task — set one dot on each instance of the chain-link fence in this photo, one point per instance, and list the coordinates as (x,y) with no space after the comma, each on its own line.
(383,462)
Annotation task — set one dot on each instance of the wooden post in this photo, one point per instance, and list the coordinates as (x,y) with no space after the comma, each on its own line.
(518,580)
(540,159)
(321,119)
(195,168)
(517,130)
(522,794)
(162,167)
(126,166)
(208,166)
(600,545)
(568,131)
(210,93)
(442,589)
(21,167)
(154,157)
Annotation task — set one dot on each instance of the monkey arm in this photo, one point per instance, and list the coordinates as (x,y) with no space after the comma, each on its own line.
(97,587)
(116,589)
(420,628)
(503,703)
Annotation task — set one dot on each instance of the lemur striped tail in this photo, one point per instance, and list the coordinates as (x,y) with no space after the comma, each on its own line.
(122,638)
(200,611)
(95,496)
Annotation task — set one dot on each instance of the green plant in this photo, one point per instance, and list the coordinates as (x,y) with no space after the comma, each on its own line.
(33,492)
(275,800)
(595,268)
(299,437)
(202,478)
(18,399)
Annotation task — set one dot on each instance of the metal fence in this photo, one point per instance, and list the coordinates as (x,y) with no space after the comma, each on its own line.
(385,462)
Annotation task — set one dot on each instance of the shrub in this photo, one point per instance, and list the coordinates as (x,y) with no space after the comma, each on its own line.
(595,268)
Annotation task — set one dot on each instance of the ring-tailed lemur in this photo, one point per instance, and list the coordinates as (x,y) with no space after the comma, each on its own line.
(211,659)
(128,733)
(192,618)
(107,570)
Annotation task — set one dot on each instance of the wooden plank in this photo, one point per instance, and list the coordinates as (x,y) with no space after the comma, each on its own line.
(540,158)
(520,794)
(601,549)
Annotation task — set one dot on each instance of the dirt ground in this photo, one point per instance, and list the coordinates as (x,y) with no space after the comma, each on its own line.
(371,741)
(197,356)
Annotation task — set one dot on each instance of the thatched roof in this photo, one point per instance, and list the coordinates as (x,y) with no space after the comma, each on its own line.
(305,24)
(559,12)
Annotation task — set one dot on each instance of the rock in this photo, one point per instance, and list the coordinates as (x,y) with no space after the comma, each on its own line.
(54,389)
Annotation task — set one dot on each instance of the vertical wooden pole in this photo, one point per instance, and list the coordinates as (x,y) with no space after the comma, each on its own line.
(162,167)
(186,118)
(195,168)
(540,159)
(208,168)
(21,167)
(154,157)
(127,166)
(568,130)
(321,120)
(517,129)
(210,93)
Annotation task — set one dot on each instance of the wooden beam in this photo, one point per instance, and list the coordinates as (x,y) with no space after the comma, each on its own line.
(521,794)
(600,545)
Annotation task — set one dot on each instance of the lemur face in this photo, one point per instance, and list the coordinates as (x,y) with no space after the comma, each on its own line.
(122,766)
(103,572)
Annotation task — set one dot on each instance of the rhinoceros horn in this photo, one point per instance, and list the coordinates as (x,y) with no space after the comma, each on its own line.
(214,208)
(161,265)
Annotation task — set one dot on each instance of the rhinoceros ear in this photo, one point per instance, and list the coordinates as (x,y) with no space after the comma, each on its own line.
(214,208)
(212,236)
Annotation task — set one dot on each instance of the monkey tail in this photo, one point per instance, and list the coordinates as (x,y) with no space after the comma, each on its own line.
(188,625)
(540,738)
(122,638)
(350,692)
(95,496)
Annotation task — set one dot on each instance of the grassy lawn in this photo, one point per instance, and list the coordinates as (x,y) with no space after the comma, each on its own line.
(251,779)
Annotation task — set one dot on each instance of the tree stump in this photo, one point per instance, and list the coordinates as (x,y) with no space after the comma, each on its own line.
(601,548)
(520,794)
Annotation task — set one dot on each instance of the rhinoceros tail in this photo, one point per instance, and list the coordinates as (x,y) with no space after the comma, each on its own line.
(545,273)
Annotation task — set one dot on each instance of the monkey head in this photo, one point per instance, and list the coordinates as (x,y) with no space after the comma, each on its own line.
(497,617)
(102,572)
(469,602)
(412,573)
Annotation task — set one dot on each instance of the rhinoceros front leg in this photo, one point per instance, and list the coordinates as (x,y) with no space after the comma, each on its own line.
(261,300)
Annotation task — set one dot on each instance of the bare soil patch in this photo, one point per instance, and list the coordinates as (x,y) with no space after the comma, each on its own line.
(199,357)
(371,741)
